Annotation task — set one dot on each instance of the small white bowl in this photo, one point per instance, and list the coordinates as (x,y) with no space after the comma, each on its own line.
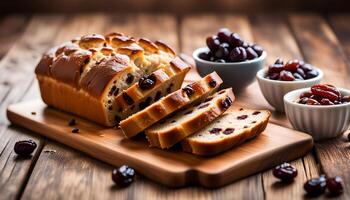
(274,90)
(319,121)
(237,75)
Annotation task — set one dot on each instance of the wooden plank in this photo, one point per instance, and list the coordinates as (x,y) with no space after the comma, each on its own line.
(194,30)
(15,71)
(340,25)
(278,41)
(321,47)
(11,28)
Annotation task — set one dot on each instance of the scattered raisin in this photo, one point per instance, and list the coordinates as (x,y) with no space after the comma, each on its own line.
(335,185)
(110,107)
(129,78)
(215,131)
(25,147)
(75,130)
(256,112)
(315,186)
(245,126)
(145,103)
(226,103)
(285,172)
(212,83)
(112,90)
(241,117)
(147,82)
(127,99)
(123,176)
(189,90)
(253,122)
(33,113)
(72,122)
(228,131)
(173,121)
(241,109)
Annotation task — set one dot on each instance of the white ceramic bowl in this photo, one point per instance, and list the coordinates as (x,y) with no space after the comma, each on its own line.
(237,75)
(322,121)
(274,90)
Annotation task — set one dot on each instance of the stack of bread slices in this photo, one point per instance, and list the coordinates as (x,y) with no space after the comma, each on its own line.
(136,84)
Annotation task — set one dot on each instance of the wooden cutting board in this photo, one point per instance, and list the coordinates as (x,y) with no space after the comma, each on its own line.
(169,167)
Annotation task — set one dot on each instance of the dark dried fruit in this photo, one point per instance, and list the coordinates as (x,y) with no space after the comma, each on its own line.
(205,55)
(315,186)
(224,35)
(204,105)
(228,131)
(129,78)
(33,113)
(311,74)
(127,99)
(275,68)
(251,54)
(25,147)
(279,61)
(335,185)
(188,90)
(258,49)
(213,43)
(212,83)
(238,54)
(286,76)
(222,52)
(145,103)
(326,102)
(241,117)
(215,131)
(72,122)
(158,96)
(226,103)
(75,130)
(285,172)
(235,40)
(123,176)
(256,112)
(292,65)
(147,82)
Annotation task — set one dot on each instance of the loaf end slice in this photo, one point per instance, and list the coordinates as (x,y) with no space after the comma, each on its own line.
(167,133)
(229,130)
(169,104)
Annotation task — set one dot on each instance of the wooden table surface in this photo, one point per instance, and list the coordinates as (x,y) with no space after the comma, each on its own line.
(56,171)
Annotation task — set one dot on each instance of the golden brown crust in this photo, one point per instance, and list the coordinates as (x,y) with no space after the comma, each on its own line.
(168,105)
(214,147)
(87,64)
(169,137)
(95,81)
(67,98)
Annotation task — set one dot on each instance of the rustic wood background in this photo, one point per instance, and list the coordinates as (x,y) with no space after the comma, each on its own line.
(172,6)
(58,172)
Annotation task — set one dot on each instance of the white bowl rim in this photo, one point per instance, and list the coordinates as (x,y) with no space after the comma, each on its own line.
(203,49)
(286,99)
(260,75)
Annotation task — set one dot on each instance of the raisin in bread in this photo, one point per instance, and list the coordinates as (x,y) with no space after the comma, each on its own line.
(169,104)
(166,134)
(151,88)
(230,129)
(83,76)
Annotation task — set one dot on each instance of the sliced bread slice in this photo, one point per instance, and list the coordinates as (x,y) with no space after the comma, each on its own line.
(166,134)
(229,130)
(150,88)
(169,104)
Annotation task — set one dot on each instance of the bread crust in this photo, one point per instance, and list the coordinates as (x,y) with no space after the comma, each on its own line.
(64,96)
(80,72)
(168,138)
(168,105)
(214,147)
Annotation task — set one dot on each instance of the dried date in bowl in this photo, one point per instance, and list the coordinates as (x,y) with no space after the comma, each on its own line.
(274,90)
(320,121)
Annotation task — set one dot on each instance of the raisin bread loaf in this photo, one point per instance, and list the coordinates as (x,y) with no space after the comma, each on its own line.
(150,88)
(169,104)
(230,129)
(166,134)
(85,75)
